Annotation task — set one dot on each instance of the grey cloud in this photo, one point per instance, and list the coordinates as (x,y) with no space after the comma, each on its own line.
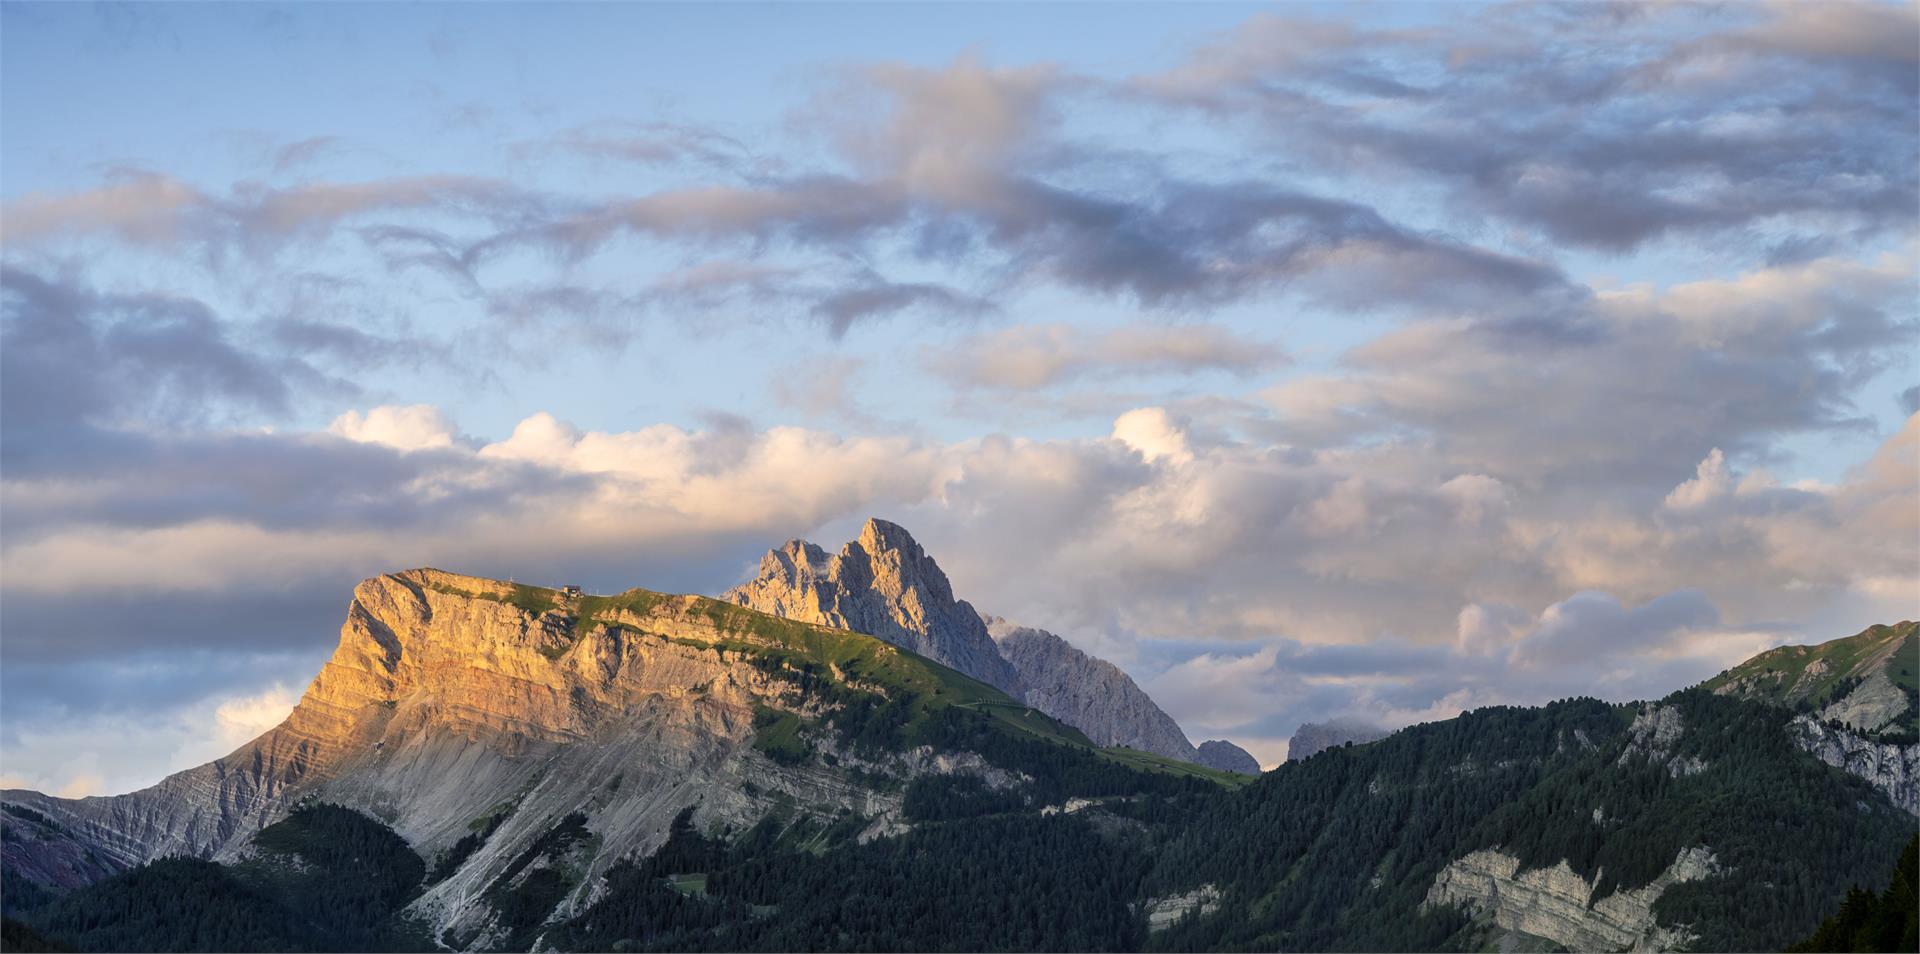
(1733,364)
(648,143)
(842,308)
(1599,130)
(302,152)
(950,161)
(1034,357)
(74,360)
(1588,625)
(152,209)
(964,166)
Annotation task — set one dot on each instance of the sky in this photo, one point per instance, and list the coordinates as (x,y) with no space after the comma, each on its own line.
(1306,361)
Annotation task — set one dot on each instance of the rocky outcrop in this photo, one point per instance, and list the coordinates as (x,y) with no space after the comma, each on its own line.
(882,584)
(1890,767)
(1876,703)
(1654,735)
(1553,903)
(1090,694)
(1315,737)
(1163,913)
(1227,757)
(450,700)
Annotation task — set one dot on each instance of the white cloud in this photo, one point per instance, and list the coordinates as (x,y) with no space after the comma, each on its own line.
(413,427)
(79,755)
(1154,434)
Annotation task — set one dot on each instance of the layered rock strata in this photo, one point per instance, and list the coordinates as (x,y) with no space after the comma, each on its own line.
(1553,903)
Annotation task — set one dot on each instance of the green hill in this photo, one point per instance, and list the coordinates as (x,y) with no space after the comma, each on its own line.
(1870,681)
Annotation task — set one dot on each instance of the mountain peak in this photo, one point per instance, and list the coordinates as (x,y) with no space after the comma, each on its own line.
(1088,692)
(883,584)
(1868,680)
(878,534)
(891,553)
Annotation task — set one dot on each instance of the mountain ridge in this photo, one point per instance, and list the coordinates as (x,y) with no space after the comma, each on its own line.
(884,583)
(472,716)
(554,759)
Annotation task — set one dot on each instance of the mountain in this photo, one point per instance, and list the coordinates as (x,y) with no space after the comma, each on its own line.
(1227,757)
(1579,824)
(504,730)
(1090,694)
(882,584)
(885,584)
(1868,682)
(491,766)
(1315,737)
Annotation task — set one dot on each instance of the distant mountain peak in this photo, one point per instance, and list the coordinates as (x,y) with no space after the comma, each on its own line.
(1315,737)
(1227,757)
(1089,693)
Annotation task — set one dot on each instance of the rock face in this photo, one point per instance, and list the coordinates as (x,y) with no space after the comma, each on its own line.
(1227,757)
(884,585)
(452,699)
(1892,768)
(1552,903)
(1876,703)
(1090,694)
(1315,737)
(1655,733)
(1163,913)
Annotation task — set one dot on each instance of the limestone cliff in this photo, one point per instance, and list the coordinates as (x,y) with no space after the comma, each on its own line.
(1090,694)
(1893,768)
(452,700)
(882,584)
(1315,737)
(1557,903)
(1227,757)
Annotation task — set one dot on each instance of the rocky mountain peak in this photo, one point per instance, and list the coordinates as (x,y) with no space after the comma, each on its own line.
(1227,757)
(1088,693)
(1315,737)
(883,584)
(796,558)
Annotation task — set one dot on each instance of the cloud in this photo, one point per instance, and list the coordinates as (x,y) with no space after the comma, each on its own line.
(1589,625)
(114,754)
(153,209)
(1592,129)
(646,143)
(841,309)
(413,427)
(1739,364)
(1031,357)
(1154,434)
(1151,536)
(1587,453)
(72,361)
(1709,483)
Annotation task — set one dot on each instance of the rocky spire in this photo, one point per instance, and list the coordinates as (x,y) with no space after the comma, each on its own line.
(882,584)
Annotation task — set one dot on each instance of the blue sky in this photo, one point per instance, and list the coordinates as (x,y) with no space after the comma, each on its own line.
(1190,331)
